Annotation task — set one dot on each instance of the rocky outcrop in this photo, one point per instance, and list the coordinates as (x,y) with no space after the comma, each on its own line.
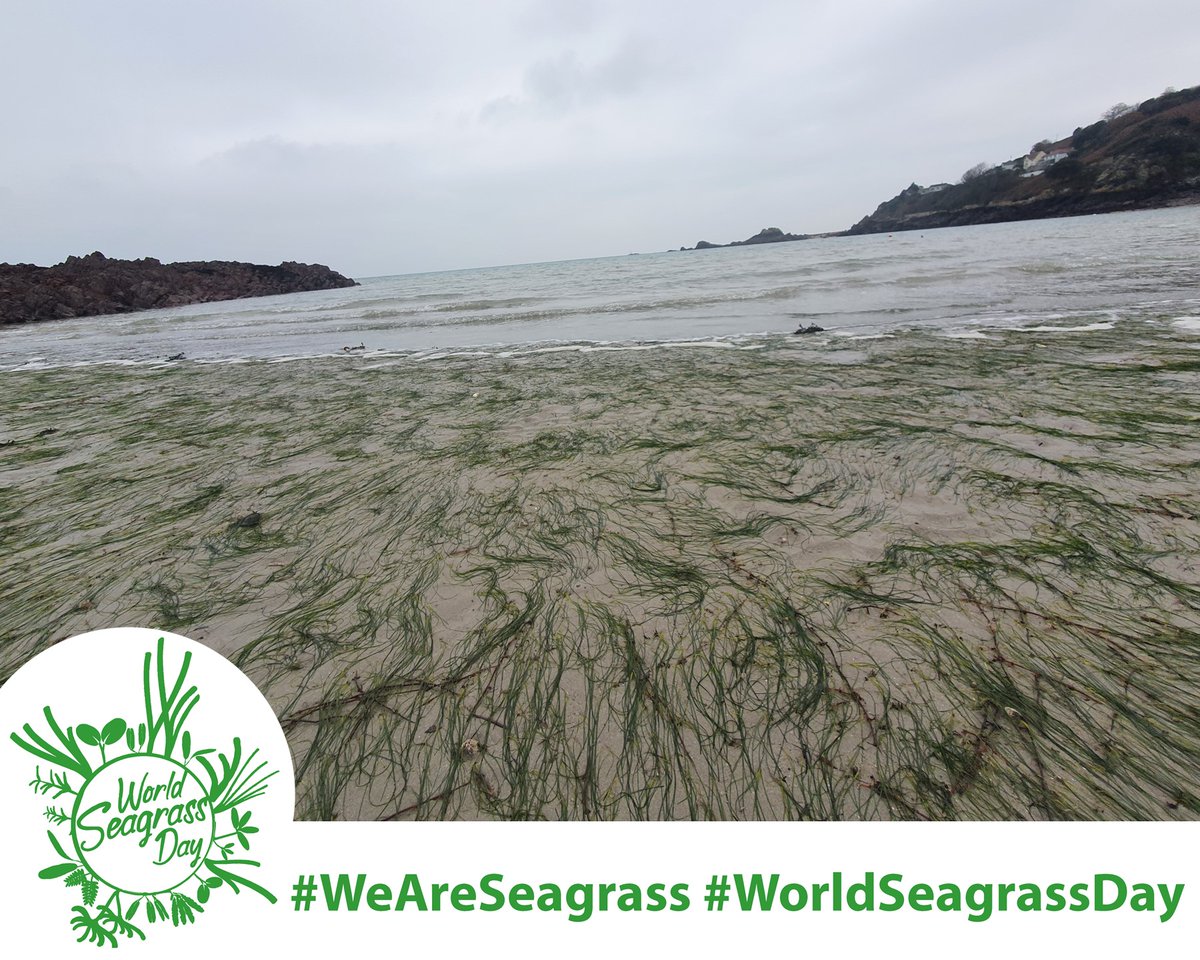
(86,286)
(766,235)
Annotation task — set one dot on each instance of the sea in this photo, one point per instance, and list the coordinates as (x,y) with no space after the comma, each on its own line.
(1071,275)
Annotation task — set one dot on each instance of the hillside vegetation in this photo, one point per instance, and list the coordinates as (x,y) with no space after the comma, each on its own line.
(1140,157)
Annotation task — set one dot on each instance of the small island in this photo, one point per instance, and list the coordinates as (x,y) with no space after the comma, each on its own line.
(95,284)
(766,235)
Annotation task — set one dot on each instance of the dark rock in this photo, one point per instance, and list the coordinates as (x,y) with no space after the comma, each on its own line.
(249,521)
(174,357)
(95,284)
(811,328)
(770,235)
(766,235)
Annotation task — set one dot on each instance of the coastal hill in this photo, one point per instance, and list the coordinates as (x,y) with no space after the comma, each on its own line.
(1133,159)
(1138,157)
(95,284)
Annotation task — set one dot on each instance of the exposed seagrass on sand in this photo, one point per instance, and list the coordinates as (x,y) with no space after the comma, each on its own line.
(909,578)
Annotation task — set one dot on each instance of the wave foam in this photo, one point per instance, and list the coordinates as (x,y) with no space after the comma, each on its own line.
(1082,328)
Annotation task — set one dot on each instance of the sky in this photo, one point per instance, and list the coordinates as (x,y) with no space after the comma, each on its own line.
(396,137)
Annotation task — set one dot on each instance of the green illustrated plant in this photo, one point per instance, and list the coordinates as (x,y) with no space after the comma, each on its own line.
(86,759)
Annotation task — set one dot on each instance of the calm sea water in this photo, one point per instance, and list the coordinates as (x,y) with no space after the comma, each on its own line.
(1086,272)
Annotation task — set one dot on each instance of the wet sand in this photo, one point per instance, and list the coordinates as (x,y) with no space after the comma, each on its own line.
(909,577)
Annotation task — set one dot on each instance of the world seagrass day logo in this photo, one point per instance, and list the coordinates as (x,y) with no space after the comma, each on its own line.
(147,825)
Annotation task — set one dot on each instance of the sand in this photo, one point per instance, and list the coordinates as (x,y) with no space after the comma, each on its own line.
(920,578)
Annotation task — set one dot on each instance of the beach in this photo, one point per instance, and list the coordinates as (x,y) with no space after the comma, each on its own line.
(903,575)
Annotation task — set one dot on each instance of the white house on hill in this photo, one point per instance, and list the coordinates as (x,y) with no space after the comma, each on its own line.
(1039,159)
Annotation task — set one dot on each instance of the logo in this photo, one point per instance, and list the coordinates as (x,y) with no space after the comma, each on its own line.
(147,824)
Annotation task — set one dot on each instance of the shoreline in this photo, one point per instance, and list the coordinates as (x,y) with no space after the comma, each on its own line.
(1150,317)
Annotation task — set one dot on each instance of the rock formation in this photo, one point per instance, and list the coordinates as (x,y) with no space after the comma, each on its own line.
(86,286)
(766,235)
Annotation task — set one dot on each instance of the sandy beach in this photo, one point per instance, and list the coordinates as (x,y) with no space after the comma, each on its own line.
(902,577)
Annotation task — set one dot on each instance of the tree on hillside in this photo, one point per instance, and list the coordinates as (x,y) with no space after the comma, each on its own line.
(976,171)
(1117,110)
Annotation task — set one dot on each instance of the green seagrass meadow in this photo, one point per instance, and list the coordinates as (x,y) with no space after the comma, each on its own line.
(902,578)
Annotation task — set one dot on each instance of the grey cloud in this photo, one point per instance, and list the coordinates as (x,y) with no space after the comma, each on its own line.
(557,84)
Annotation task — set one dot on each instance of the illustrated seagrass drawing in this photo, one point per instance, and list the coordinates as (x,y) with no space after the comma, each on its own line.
(145,827)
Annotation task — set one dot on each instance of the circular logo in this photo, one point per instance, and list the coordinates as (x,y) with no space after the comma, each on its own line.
(143,824)
(162,811)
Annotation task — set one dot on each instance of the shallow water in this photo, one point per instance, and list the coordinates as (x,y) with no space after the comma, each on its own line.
(1077,274)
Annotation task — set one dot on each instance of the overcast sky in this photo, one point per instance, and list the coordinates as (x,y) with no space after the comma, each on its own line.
(395,137)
